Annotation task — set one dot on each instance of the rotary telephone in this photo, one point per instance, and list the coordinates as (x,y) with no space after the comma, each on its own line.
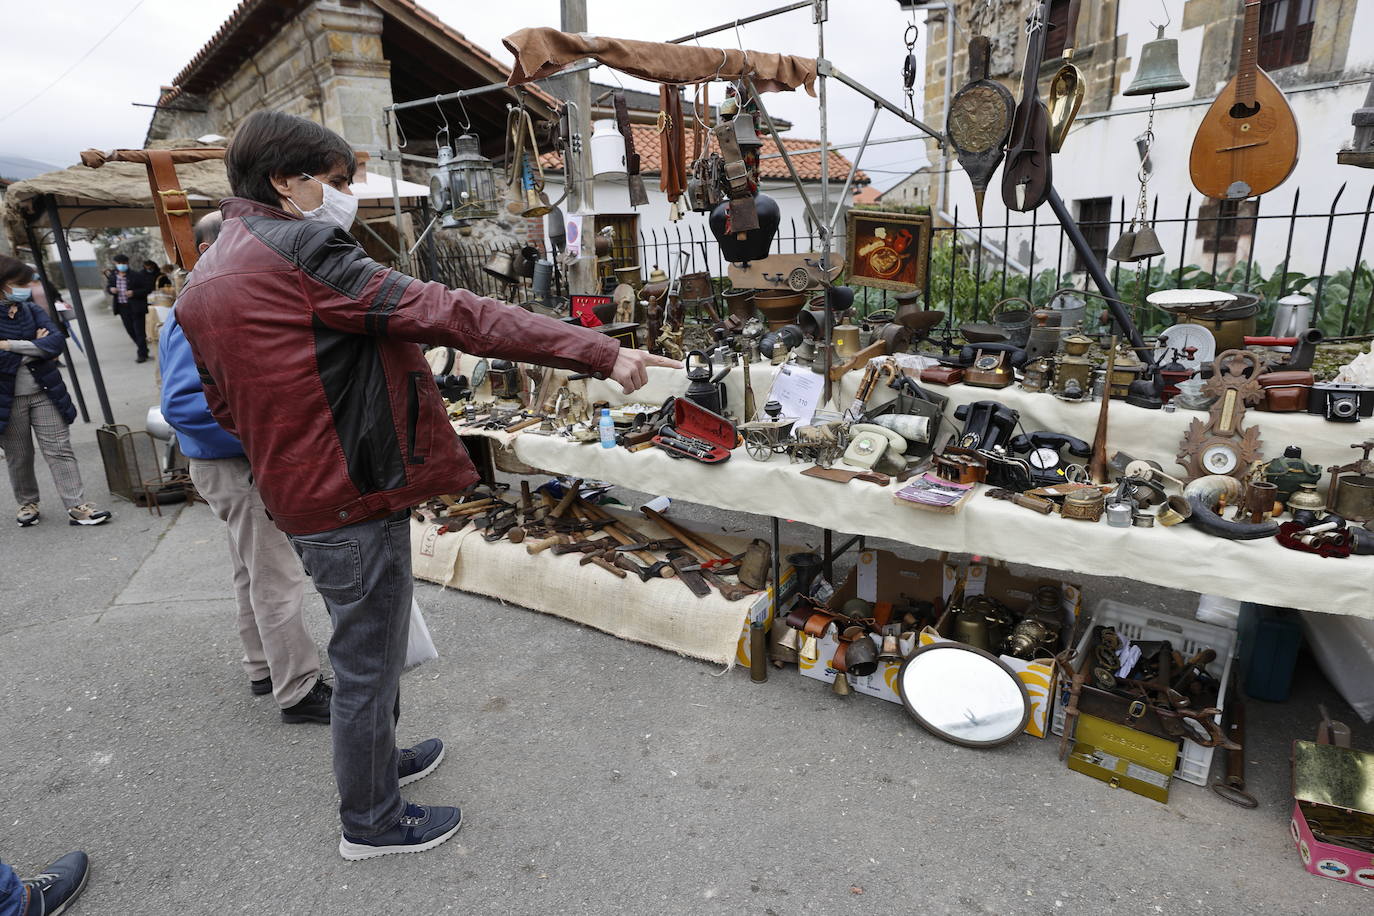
(1044,454)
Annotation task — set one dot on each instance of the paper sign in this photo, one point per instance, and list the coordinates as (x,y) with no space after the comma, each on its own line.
(798,390)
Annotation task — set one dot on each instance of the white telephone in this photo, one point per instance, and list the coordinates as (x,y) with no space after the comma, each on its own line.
(868,443)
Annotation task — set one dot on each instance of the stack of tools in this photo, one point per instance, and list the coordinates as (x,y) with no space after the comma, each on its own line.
(570,523)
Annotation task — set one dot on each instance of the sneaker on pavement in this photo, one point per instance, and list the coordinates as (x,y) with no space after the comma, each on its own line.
(60,883)
(27,515)
(87,514)
(262,687)
(419,761)
(313,707)
(421,827)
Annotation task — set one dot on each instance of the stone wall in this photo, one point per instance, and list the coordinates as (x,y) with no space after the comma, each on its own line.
(1097,54)
(326,65)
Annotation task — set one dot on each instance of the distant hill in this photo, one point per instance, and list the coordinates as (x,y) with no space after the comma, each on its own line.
(17,168)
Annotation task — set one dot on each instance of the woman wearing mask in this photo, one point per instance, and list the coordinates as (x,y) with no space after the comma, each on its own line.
(34,401)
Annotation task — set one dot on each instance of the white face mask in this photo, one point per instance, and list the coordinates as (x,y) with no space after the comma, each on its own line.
(336,207)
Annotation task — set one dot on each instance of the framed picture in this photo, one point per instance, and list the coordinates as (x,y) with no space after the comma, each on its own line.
(888,250)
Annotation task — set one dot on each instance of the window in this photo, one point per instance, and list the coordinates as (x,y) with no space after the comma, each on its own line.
(1222,223)
(1058,22)
(1095,219)
(1285,32)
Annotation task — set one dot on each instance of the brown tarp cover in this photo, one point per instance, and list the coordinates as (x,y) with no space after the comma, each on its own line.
(120,187)
(542,52)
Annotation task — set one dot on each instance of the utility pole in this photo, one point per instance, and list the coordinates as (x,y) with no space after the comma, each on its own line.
(581,193)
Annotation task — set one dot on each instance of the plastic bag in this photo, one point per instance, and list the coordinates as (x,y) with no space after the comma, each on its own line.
(419,645)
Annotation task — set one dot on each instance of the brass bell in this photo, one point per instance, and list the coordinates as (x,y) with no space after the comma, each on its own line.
(1146,244)
(810,648)
(1158,71)
(1136,245)
(789,639)
(891,650)
(1121,250)
(841,685)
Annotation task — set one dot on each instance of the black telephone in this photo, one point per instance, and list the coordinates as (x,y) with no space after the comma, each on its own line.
(1043,452)
(987,424)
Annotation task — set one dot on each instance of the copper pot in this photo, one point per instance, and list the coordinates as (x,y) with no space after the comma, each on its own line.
(740,303)
(695,287)
(779,306)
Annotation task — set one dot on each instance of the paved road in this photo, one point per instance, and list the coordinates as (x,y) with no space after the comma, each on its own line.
(597,776)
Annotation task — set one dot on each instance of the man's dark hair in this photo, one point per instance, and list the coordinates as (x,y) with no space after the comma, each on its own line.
(14,272)
(121,259)
(273,144)
(150,265)
(207,229)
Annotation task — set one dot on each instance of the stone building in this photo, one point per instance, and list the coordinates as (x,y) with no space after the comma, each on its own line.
(339,62)
(1309,48)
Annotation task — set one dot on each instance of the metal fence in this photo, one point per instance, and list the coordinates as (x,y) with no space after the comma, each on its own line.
(974,267)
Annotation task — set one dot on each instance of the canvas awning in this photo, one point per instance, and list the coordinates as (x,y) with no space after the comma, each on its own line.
(117,195)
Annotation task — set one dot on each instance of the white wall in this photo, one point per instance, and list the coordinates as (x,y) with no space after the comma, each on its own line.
(1099,159)
(614,198)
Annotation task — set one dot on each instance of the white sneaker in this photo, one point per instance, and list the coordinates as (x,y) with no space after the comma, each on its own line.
(87,514)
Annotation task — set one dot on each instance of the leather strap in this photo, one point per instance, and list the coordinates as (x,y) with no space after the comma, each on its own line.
(173,209)
(672,178)
(638,196)
(743,214)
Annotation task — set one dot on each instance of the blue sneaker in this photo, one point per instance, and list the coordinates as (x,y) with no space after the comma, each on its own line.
(60,883)
(421,827)
(419,761)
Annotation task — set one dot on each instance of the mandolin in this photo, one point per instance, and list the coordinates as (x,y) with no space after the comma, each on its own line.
(1026,179)
(1247,144)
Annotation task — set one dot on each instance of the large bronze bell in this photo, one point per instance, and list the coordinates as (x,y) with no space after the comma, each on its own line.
(1158,71)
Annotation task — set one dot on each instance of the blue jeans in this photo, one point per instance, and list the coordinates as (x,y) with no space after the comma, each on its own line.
(363,573)
(11,892)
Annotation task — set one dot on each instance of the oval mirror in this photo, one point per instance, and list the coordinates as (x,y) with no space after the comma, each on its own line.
(964,695)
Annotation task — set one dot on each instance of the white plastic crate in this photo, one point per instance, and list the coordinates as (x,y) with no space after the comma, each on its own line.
(1188,637)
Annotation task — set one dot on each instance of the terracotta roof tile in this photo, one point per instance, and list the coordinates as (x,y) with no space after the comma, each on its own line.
(808,164)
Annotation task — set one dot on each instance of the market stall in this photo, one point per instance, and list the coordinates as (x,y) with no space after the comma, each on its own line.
(1209,457)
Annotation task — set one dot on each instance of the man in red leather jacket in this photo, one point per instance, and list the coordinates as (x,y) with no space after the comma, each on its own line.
(307,349)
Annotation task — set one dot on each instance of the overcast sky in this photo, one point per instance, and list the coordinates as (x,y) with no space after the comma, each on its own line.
(90,106)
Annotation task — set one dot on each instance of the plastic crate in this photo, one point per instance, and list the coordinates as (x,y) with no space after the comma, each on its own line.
(1188,637)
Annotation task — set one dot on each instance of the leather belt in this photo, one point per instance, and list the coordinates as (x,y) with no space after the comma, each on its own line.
(638,195)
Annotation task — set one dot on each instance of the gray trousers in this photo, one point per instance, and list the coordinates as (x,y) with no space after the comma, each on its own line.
(363,573)
(268,581)
(34,416)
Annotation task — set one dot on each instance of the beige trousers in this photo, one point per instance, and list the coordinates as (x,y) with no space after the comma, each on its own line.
(268,581)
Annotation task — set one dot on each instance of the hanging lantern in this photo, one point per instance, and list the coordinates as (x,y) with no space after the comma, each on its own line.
(463,187)
(608,151)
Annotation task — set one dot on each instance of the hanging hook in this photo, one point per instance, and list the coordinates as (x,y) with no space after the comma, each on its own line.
(443,131)
(467,122)
(1168,20)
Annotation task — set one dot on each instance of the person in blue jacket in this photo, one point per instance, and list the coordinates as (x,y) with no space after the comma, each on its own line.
(279,656)
(34,403)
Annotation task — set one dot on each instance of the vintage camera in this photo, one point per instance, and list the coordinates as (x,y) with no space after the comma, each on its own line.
(1341,403)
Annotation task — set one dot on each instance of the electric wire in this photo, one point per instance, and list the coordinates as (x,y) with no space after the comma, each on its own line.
(63,75)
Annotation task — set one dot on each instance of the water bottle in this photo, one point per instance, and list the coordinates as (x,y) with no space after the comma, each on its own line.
(607,428)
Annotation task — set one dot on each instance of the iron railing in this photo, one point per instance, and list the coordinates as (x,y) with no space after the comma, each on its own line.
(974,267)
